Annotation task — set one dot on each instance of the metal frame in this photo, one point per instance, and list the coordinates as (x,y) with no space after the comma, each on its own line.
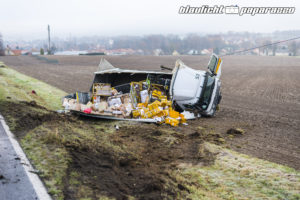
(112,117)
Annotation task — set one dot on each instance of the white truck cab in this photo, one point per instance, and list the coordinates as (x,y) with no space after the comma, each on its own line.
(197,90)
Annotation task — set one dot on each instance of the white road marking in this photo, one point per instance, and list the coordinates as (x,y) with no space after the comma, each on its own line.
(37,184)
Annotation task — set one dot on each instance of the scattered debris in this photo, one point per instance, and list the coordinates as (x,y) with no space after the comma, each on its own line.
(35,171)
(2,65)
(235,131)
(61,111)
(32,103)
(221,140)
(189,115)
(16,181)
(182,187)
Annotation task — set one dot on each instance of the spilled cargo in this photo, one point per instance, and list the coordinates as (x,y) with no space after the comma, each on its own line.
(150,96)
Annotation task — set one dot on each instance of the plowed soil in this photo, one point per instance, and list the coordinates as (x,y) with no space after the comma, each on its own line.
(260,95)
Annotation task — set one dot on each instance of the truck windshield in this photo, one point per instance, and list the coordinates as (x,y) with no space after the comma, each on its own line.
(212,64)
(208,90)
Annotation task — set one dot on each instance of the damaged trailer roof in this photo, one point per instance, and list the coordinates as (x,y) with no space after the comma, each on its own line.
(106,67)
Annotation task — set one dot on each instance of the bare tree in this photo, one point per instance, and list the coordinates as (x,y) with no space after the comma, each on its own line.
(42,51)
(2,50)
(293,48)
(274,49)
(266,48)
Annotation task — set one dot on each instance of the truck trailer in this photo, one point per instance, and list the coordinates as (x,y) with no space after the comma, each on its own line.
(150,96)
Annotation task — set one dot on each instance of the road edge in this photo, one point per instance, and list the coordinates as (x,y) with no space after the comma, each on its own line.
(35,180)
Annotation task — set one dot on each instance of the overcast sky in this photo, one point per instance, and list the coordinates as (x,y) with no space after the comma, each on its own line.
(28,19)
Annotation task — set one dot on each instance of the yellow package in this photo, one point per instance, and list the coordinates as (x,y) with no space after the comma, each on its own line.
(183,119)
(141,105)
(140,112)
(173,113)
(136,113)
(165,112)
(154,105)
(165,102)
(171,121)
(156,111)
(147,101)
(147,115)
(162,97)
(156,93)
(162,113)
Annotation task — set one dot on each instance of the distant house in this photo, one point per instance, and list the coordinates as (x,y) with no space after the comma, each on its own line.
(120,52)
(175,53)
(282,50)
(255,51)
(26,52)
(206,51)
(17,52)
(12,52)
(157,52)
(224,51)
(8,52)
(193,52)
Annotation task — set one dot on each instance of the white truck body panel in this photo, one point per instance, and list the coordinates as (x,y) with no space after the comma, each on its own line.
(188,83)
(188,86)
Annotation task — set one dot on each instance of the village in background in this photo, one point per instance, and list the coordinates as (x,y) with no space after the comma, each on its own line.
(189,44)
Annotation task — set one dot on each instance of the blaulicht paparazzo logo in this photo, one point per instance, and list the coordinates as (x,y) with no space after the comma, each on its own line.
(235,10)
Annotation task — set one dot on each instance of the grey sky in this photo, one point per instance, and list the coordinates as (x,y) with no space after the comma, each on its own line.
(28,19)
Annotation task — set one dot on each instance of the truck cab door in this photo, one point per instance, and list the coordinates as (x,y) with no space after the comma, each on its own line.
(215,65)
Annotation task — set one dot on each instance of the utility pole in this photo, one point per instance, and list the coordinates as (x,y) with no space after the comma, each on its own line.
(49,49)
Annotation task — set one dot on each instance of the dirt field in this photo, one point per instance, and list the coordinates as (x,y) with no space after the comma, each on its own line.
(260,95)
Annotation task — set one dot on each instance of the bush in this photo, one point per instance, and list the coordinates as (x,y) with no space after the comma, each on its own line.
(2,50)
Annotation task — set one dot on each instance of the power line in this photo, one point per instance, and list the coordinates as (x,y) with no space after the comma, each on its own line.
(261,46)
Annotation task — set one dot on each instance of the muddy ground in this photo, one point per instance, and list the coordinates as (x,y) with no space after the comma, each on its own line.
(260,95)
(141,169)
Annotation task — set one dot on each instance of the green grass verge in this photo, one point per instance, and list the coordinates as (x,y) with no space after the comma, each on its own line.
(43,144)
(238,176)
(18,87)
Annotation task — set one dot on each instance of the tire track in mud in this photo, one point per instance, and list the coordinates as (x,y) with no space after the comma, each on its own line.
(144,170)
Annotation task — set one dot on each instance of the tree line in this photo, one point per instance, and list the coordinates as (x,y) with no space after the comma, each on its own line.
(166,44)
(169,43)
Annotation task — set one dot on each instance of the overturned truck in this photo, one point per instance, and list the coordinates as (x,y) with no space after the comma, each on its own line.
(150,96)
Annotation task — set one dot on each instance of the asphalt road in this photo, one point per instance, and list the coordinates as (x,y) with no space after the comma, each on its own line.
(14,182)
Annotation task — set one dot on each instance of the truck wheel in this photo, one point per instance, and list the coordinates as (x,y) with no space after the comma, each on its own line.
(177,107)
(219,98)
